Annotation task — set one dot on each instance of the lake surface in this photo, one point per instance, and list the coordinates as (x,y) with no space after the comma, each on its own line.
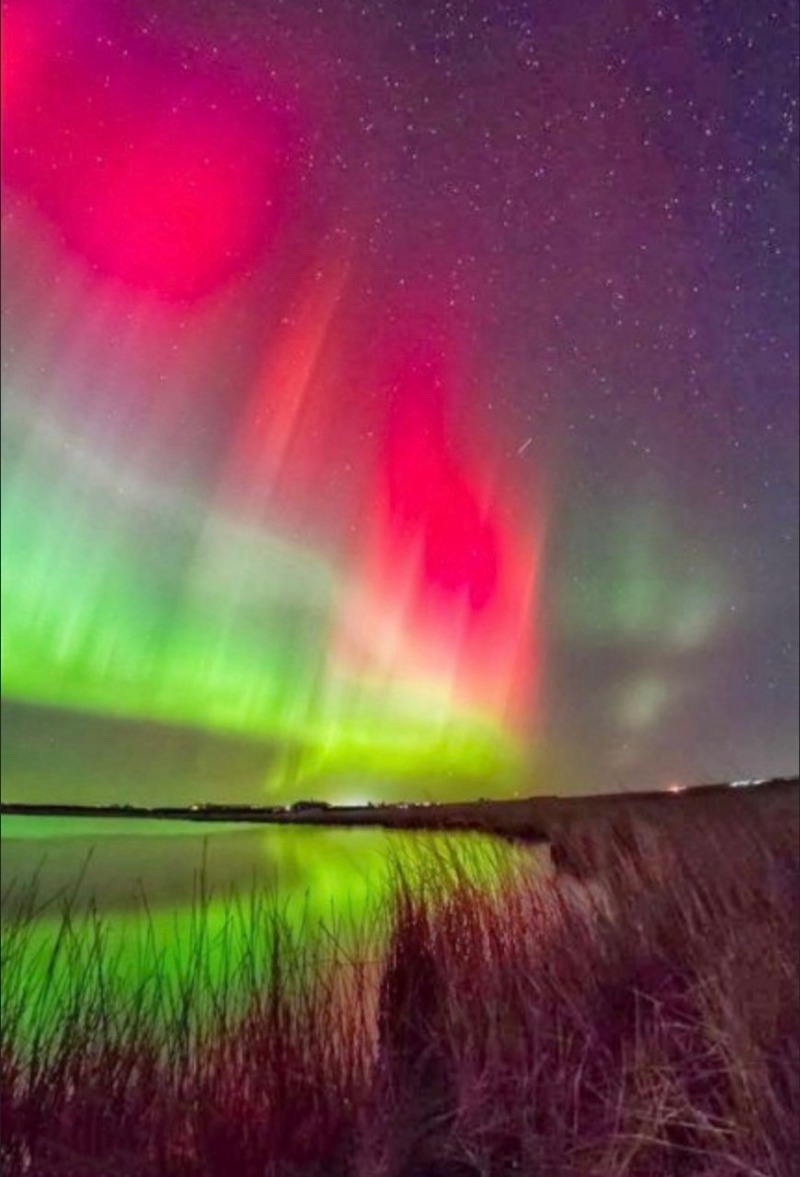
(146,880)
(117,865)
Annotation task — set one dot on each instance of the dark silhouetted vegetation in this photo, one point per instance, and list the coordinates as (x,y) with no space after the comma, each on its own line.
(644,1023)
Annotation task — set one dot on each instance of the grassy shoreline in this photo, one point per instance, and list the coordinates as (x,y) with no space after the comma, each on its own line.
(535,818)
(645,1025)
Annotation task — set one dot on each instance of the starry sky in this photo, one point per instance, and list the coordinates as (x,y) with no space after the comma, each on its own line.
(411,384)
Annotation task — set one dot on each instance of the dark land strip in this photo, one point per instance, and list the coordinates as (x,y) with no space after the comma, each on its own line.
(529,819)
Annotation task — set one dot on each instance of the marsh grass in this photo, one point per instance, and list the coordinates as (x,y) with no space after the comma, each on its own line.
(495,1022)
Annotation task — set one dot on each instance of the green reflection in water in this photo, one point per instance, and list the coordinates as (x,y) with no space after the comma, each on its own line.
(177,901)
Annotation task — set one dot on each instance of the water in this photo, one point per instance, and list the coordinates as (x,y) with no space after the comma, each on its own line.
(149,877)
(118,864)
(148,880)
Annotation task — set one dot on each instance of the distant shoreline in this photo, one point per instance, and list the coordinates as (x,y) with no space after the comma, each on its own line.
(531,819)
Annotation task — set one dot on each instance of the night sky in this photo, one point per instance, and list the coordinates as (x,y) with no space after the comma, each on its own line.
(416,383)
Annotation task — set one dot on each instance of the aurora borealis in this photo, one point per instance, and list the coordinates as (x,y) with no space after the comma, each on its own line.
(413,385)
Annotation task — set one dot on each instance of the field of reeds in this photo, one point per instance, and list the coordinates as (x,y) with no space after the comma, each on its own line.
(642,1022)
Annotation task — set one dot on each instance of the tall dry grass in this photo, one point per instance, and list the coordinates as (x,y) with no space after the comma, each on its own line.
(641,1024)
